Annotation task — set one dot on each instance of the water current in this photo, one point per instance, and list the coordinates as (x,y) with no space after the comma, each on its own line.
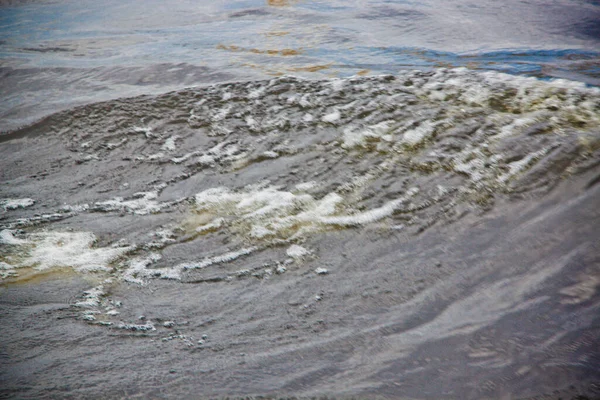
(55,54)
(299,198)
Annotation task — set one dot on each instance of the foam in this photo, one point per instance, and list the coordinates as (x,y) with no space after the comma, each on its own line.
(517,167)
(185,157)
(332,117)
(471,162)
(415,119)
(260,232)
(7,237)
(76,208)
(252,124)
(223,152)
(144,203)
(414,136)
(297,252)
(138,269)
(223,258)
(206,159)
(145,130)
(221,114)
(6,266)
(45,250)
(92,297)
(270,154)
(305,186)
(257,93)
(214,224)
(308,117)
(270,213)
(136,327)
(338,84)
(7,270)
(522,94)
(13,204)
(36,220)
(516,126)
(364,217)
(307,101)
(114,145)
(169,144)
(359,137)
(321,271)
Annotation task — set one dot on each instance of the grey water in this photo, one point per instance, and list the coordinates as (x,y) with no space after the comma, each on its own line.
(55,54)
(380,199)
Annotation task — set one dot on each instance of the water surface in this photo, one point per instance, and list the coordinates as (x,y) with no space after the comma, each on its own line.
(217,227)
(59,53)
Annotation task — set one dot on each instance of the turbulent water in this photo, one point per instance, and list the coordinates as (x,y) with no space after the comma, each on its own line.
(250,187)
(58,53)
(425,233)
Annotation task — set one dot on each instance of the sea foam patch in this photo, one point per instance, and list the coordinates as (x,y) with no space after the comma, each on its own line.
(46,250)
(392,154)
(269,213)
(361,150)
(142,203)
(13,204)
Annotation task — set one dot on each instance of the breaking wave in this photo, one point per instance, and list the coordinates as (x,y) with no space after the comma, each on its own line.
(207,175)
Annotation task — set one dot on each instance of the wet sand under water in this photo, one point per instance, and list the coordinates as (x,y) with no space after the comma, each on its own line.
(412,238)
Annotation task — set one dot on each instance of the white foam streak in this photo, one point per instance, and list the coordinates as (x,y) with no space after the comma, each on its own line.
(332,117)
(13,204)
(138,269)
(415,136)
(144,204)
(71,249)
(224,258)
(169,144)
(7,237)
(92,298)
(45,250)
(270,212)
(297,252)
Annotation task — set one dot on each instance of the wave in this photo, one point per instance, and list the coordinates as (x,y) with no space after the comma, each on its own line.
(295,157)
(205,176)
(305,215)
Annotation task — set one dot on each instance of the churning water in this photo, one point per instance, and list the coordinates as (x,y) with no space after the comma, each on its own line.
(304,197)
(59,53)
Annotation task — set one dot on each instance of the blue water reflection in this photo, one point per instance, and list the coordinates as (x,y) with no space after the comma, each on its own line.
(93,43)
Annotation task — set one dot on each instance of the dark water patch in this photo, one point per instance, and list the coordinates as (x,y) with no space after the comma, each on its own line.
(44,86)
(384,12)
(47,49)
(588,26)
(249,13)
